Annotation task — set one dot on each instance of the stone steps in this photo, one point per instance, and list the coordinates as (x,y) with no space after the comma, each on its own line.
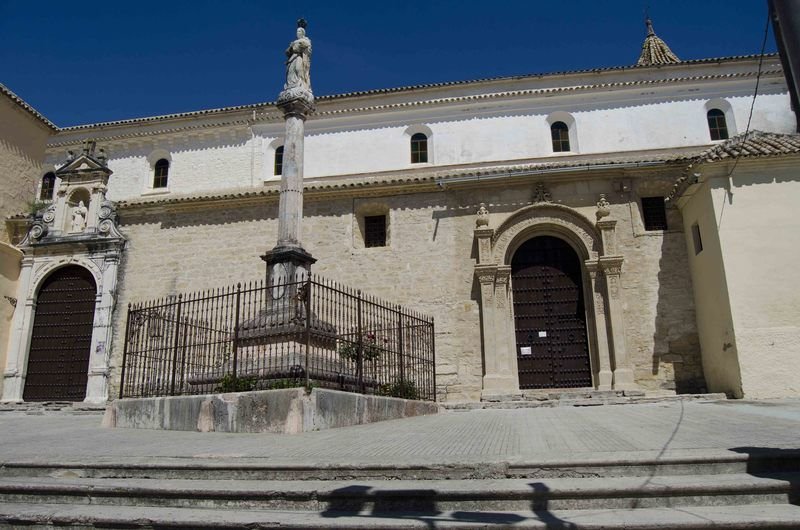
(747,517)
(414,495)
(589,398)
(759,489)
(751,461)
(38,408)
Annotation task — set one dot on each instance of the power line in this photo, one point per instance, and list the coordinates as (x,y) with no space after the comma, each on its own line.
(749,119)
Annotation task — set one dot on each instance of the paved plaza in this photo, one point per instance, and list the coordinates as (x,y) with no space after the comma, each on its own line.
(521,435)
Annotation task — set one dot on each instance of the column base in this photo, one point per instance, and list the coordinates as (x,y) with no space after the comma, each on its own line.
(604,380)
(12,389)
(495,386)
(623,379)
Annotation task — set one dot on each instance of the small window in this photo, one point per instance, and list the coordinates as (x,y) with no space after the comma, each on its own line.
(161,173)
(717,125)
(419,149)
(654,213)
(48,186)
(278,161)
(698,242)
(560,133)
(375,231)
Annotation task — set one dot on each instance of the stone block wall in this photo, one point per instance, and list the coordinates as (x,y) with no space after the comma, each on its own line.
(428,265)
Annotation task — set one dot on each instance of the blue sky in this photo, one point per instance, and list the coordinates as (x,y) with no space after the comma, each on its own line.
(88,61)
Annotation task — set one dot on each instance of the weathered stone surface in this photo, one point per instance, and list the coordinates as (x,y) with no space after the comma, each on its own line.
(286,411)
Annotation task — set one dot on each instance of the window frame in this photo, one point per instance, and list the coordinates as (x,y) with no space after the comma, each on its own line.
(48,185)
(277,161)
(558,144)
(161,181)
(649,205)
(371,232)
(419,148)
(717,131)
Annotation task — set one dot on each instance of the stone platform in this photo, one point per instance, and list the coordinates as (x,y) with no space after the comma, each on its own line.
(285,411)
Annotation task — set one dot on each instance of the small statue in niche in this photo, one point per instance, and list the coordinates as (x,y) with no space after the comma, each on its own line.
(79,218)
(298,62)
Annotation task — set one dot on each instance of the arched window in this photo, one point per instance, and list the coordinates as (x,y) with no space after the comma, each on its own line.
(161,174)
(279,160)
(560,134)
(419,149)
(717,125)
(48,185)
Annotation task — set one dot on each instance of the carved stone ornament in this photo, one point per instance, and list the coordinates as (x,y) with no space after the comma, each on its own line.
(483,216)
(38,230)
(603,207)
(49,215)
(105,226)
(106,210)
(541,194)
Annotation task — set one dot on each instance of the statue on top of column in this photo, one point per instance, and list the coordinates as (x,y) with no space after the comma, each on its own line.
(298,60)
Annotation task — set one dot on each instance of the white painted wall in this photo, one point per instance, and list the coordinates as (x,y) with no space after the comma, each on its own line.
(759,236)
(512,127)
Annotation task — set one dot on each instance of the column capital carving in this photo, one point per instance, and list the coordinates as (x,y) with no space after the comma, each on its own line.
(503,274)
(611,265)
(485,273)
(484,232)
(592,267)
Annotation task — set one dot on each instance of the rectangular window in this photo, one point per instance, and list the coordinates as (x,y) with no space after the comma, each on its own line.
(698,242)
(654,213)
(375,231)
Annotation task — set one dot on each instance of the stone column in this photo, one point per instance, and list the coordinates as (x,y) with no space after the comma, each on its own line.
(288,260)
(623,373)
(604,373)
(16,356)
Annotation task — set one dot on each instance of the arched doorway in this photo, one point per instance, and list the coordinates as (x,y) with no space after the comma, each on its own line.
(58,361)
(549,315)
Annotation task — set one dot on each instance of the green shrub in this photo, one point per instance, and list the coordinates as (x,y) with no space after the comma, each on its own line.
(402,389)
(231,383)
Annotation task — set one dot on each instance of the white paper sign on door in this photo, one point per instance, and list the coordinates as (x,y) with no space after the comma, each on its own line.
(542,334)
(525,350)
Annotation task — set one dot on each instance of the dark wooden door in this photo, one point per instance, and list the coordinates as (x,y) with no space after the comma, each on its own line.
(550,321)
(58,361)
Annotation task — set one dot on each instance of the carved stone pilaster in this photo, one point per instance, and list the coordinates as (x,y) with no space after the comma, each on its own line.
(604,373)
(484,237)
(608,234)
(623,371)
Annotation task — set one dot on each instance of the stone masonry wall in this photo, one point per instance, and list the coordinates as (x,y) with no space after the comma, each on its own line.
(22,148)
(428,265)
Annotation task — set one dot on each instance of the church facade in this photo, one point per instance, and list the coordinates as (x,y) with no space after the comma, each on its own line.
(593,229)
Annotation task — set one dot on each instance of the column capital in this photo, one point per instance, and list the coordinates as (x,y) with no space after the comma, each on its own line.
(611,265)
(503,274)
(296,102)
(485,273)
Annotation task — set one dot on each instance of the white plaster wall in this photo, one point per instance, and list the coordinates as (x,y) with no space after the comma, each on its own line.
(759,235)
(484,132)
(712,305)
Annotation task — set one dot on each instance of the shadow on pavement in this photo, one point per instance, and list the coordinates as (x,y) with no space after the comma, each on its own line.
(775,463)
(421,505)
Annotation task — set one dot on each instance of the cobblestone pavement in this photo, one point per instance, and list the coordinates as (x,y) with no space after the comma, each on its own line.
(450,437)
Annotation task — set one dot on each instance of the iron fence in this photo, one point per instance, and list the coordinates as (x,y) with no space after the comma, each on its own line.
(280,334)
